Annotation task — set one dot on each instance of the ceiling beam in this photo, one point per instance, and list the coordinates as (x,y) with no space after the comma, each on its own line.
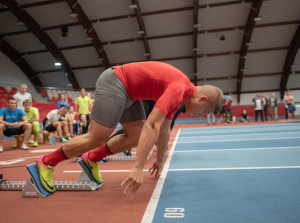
(195,42)
(90,30)
(125,16)
(142,29)
(254,12)
(43,37)
(289,60)
(170,58)
(19,60)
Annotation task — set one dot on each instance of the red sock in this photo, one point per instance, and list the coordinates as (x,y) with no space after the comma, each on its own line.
(54,158)
(98,154)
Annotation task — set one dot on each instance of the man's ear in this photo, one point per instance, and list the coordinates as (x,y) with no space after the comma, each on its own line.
(203,98)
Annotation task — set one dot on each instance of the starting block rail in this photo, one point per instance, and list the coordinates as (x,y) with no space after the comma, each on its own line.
(120,156)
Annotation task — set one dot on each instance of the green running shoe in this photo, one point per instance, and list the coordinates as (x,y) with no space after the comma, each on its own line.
(93,167)
(46,174)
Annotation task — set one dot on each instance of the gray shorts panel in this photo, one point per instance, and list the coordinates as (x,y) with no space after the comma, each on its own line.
(112,103)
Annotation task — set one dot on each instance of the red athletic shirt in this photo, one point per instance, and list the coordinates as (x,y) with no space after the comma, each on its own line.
(157,81)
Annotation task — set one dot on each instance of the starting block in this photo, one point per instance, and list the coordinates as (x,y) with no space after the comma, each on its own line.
(52,141)
(120,156)
(32,188)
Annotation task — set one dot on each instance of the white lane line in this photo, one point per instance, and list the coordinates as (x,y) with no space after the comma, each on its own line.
(239,140)
(252,134)
(102,171)
(9,162)
(42,151)
(237,168)
(228,130)
(150,210)
(216,150)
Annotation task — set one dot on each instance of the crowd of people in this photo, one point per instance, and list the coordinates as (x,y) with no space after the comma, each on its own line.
(262,107)
(21,120)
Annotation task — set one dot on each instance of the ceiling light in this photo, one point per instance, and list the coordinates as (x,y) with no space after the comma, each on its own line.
(88,38)
(146,54)
(258,18)
(249,44)
(73,14)
(141,32)
(58,64)
(244,70)
(133,6)
(197,25)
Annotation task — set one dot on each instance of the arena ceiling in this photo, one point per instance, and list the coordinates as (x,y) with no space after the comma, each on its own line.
(240,46)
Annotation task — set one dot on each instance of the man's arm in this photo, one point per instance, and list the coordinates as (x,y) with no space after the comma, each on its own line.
(147,139)
(36,117)
(162,145)
(44,122)
(23,122)
(4,122)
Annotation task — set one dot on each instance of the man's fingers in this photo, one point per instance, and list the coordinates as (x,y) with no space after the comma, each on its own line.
(124,182)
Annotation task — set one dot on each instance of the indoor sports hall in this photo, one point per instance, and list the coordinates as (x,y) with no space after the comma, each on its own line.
(236,161)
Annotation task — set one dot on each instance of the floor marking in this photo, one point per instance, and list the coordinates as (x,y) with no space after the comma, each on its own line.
(252,134)
(237,168)
(42,151)
(150,210)
(238,140)
(102,171)
(216,150)
(9,162)
(236,130)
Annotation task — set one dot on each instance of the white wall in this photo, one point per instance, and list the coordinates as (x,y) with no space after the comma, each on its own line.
(11,75)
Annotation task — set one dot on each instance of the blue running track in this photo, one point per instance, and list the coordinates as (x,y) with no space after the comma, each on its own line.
(234,174)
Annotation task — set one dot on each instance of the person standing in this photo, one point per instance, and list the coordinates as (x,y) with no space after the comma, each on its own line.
(213,118)
(83,102)
(22,95)
(258,107)
(228,109)
(265,105)
(289,102)
(273,107)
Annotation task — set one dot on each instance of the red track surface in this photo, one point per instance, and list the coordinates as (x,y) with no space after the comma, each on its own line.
(108,204)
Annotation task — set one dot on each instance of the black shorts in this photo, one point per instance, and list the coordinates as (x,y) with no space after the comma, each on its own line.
(50,128)
(11,132)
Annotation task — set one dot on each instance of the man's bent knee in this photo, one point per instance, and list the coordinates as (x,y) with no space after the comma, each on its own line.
(27,126)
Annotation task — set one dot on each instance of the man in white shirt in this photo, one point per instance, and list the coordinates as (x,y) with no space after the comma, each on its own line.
(53,123)
(22,95)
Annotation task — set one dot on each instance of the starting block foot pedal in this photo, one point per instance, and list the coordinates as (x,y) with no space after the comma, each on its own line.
(33,187)
(52,141)
(88,172)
